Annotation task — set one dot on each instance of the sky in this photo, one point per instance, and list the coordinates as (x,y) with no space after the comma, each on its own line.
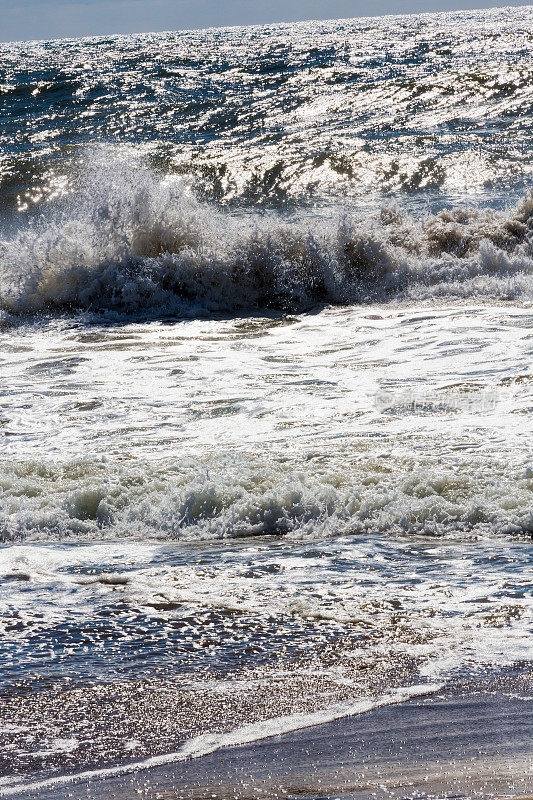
(46,19)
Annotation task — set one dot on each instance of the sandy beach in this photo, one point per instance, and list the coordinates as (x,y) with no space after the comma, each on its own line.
(471,741)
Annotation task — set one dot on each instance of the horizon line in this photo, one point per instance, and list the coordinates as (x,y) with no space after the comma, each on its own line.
(265,24)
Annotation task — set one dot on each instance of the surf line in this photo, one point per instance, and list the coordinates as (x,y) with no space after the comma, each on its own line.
(204,744)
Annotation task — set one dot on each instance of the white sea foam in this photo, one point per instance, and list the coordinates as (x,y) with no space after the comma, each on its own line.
(402,420)
(132,241)
(42,502)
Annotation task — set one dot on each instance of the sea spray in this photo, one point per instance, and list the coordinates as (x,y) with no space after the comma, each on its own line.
(132,241)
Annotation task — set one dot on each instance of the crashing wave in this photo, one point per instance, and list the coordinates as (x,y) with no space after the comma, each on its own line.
(86,499)
(132,241)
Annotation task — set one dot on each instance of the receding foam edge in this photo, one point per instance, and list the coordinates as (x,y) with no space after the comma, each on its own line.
(245,734)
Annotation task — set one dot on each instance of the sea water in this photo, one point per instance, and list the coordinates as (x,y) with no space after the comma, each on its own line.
(266,313)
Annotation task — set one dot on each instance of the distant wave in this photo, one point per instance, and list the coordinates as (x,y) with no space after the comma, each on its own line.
(304,112)
(130,241)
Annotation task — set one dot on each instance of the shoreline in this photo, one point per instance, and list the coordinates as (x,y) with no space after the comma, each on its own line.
(468,741)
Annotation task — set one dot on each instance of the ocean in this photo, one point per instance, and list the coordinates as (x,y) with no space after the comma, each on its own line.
(266,382)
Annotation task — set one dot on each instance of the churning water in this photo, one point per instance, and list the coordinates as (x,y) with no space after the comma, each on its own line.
(266,379)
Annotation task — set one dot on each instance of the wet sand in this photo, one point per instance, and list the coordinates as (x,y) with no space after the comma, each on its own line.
(474,740)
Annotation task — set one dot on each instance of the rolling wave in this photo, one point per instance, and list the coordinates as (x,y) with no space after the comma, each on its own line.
(88,500)
(130,240)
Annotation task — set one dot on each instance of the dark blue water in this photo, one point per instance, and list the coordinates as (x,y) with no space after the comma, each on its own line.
(431,106)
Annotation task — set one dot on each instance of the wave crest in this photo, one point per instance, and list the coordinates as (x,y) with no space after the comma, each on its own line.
(130,241)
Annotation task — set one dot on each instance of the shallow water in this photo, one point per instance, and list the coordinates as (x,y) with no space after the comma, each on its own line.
(266,379)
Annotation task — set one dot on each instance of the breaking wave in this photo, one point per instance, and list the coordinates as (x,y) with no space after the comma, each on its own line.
(87,499)
(129,241)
